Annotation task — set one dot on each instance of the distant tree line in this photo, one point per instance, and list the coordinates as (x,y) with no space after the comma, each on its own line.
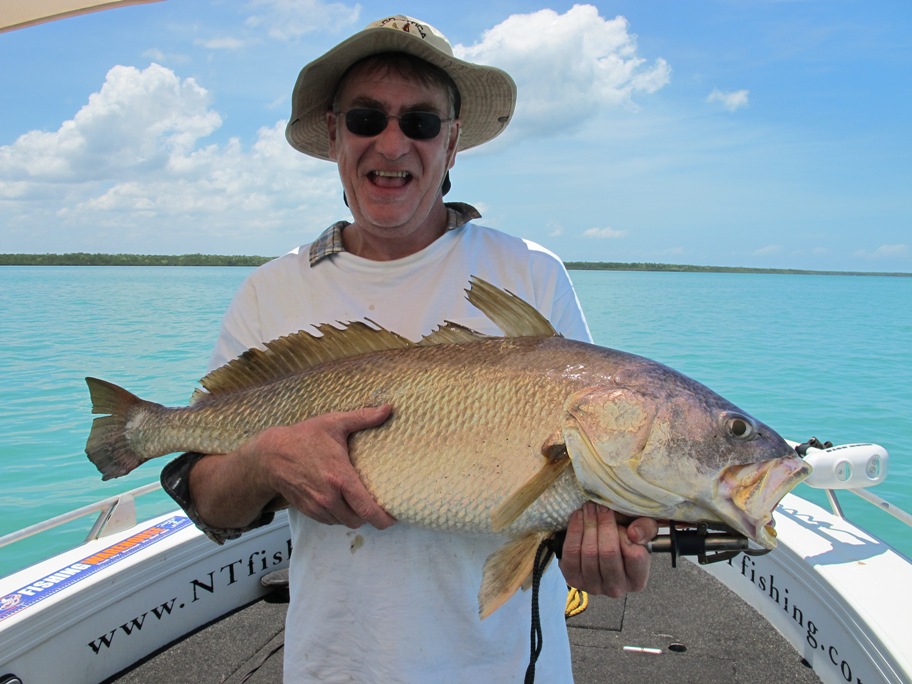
(86,259)
(95,259)
(683,268)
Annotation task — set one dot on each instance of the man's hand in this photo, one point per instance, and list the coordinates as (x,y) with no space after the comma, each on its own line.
(602,556)
(307,464)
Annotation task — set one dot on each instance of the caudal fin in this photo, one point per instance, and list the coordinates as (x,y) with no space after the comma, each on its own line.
(108,446)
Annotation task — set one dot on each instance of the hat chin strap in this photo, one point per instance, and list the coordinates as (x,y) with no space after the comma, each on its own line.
(446,185)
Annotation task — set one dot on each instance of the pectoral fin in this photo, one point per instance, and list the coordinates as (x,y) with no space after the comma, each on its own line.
(513,506)
(506,570)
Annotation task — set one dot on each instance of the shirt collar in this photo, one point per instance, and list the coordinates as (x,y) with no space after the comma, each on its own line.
(330,240)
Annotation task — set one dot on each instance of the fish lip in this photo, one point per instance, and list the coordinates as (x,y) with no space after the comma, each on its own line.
(752,492)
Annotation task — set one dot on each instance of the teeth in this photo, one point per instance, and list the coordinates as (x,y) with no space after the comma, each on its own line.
(392,174)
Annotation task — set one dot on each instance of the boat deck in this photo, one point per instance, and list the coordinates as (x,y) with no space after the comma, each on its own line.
(705,633)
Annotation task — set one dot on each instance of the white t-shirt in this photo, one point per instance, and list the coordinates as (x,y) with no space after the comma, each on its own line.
(400,605)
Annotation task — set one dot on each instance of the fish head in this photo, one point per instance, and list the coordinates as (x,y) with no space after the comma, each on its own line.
(654,442)
(731,467)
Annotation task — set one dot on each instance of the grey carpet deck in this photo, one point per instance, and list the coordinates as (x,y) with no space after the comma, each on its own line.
(705,633)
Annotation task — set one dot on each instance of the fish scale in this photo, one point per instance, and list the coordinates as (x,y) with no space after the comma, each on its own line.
(487,450)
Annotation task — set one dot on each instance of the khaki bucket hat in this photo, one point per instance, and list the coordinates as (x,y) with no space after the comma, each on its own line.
(488,94)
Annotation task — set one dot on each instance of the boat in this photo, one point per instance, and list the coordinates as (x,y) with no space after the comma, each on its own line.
(835,593)
(155,600)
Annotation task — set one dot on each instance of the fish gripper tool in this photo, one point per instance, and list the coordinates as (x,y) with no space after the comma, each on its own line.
(710,544)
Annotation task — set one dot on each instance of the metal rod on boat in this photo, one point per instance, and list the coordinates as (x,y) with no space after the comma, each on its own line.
(834,502)
(102,507)
(884,505)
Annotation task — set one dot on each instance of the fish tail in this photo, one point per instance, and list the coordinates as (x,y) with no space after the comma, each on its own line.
(108,445)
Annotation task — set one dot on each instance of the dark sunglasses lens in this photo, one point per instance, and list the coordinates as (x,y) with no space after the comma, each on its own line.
(367,122)
(371,122)
(420,125)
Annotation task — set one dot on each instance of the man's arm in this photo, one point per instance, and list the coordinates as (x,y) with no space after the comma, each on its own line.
(307,464)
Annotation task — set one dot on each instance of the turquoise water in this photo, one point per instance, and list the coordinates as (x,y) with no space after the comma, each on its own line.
(826,356)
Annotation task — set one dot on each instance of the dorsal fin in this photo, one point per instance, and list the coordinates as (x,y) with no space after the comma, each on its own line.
(510,313)
(298,352)
(452,333)
(302,350)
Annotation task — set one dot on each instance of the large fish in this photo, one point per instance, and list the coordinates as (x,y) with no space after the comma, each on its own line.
(503,435)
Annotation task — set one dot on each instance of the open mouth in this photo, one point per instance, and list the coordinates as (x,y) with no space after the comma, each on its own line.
(390,179)
(756,489)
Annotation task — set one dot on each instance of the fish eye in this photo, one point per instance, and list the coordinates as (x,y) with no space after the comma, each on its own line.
(740,427)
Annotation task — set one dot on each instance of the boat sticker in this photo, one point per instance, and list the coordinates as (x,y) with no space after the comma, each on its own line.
(69,575)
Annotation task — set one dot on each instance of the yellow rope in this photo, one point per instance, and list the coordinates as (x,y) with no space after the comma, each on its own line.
(577,602)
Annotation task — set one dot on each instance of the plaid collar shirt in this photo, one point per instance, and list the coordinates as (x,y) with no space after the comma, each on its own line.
(330,240)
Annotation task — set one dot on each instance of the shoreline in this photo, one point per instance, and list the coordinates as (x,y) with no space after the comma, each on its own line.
(98,259)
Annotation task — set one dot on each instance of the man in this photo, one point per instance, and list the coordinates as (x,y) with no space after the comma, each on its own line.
(371,600)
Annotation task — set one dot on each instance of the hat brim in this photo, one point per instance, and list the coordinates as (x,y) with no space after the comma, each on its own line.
(488,94)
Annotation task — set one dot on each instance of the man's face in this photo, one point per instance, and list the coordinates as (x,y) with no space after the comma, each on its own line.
(392,181)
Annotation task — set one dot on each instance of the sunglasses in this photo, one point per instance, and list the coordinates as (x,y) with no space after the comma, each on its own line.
(371,122)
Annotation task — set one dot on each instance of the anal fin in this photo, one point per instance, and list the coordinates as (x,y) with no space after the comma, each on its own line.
(506,570)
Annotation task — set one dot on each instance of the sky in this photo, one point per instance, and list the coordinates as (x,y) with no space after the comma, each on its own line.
(753,133)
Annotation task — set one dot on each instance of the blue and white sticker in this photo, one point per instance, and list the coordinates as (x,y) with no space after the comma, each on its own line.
(67,576)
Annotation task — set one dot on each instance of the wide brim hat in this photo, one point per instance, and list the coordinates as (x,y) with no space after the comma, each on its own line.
(487,94)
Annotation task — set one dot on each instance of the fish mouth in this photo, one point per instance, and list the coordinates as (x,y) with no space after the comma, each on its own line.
(754,490)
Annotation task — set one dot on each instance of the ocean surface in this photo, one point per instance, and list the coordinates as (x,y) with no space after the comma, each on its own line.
(824,356)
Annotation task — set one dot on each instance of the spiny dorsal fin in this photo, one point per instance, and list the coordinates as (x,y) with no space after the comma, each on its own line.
(451,333)
(516,317)
(302,350)
(298,352)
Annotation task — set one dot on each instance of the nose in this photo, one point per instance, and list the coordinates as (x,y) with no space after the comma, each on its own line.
(391,142)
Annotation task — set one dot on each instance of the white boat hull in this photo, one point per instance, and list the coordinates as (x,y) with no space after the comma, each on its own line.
(87,614)
(841,597)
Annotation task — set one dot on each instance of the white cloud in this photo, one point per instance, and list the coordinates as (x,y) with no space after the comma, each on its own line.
(603,233)
(892,250)
(224,43)
(769,250)
(732,100)
(136,122)
(568,67)
(134,162)
(291,19)
(154,54)
(885,252)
